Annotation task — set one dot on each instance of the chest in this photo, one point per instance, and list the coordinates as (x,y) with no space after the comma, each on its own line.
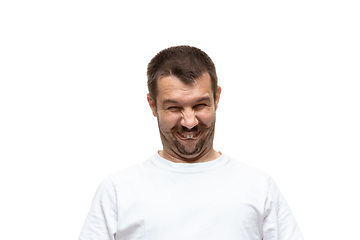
(191,208)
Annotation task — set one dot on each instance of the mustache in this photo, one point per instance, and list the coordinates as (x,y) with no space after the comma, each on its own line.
(185,129)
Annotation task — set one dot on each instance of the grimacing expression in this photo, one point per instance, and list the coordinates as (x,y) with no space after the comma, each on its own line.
(186,115)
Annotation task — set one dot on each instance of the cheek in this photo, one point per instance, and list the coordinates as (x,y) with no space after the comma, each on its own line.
(168,121)
(206,117)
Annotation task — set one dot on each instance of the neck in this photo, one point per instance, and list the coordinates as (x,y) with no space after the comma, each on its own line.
(209,156)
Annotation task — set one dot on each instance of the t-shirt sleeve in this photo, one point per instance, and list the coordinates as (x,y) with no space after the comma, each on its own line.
(101,221)
(279,223)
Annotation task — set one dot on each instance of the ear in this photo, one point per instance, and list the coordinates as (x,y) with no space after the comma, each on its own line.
(152,105)
(217,96)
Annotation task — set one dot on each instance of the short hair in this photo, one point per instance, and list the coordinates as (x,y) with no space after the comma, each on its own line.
(184,62)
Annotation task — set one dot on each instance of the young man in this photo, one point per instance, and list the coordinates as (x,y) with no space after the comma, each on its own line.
(188,190)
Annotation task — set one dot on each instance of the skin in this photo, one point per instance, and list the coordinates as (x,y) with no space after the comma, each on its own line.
(186,114)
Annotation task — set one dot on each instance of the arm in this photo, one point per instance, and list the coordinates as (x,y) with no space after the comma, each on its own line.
(101,222)
(279,223)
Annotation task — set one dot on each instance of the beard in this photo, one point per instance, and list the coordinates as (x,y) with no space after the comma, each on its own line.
(188,149)
(199,146)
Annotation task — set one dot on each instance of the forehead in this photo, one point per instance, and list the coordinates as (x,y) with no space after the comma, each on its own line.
(170,87)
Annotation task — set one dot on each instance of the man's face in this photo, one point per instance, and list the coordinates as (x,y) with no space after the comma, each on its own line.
(186,116)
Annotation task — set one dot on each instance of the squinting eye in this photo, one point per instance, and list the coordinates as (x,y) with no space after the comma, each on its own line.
(200,106)
(173,108)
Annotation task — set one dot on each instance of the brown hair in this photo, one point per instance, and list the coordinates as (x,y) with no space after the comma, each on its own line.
(184,62)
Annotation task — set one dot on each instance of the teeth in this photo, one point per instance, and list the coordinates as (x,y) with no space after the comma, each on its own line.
(188,136)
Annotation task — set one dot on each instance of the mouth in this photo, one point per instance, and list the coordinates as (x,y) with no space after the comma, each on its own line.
(188,135)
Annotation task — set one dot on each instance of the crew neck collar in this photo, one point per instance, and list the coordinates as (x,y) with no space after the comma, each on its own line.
(189,167)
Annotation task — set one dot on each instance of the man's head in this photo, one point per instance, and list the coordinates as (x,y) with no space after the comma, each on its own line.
(183,98)
(184,62)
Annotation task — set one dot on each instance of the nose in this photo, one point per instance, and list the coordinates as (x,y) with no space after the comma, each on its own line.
(189,119)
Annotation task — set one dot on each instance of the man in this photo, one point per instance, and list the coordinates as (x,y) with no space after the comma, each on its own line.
(188,190)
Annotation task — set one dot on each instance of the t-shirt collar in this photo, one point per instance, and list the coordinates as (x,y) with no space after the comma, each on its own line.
(189,167)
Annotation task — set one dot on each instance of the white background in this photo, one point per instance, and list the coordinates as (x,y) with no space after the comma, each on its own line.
(73,103)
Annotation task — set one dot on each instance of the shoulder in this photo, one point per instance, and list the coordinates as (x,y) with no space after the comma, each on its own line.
(246,169)
(247,174)
(131,174)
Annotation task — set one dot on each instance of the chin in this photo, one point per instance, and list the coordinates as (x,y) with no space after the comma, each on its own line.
(191,155)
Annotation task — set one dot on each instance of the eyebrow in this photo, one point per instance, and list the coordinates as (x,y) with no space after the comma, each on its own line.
(169,101)
(203,99)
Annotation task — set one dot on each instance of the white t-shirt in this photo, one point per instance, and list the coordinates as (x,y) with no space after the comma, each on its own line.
(216,200)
